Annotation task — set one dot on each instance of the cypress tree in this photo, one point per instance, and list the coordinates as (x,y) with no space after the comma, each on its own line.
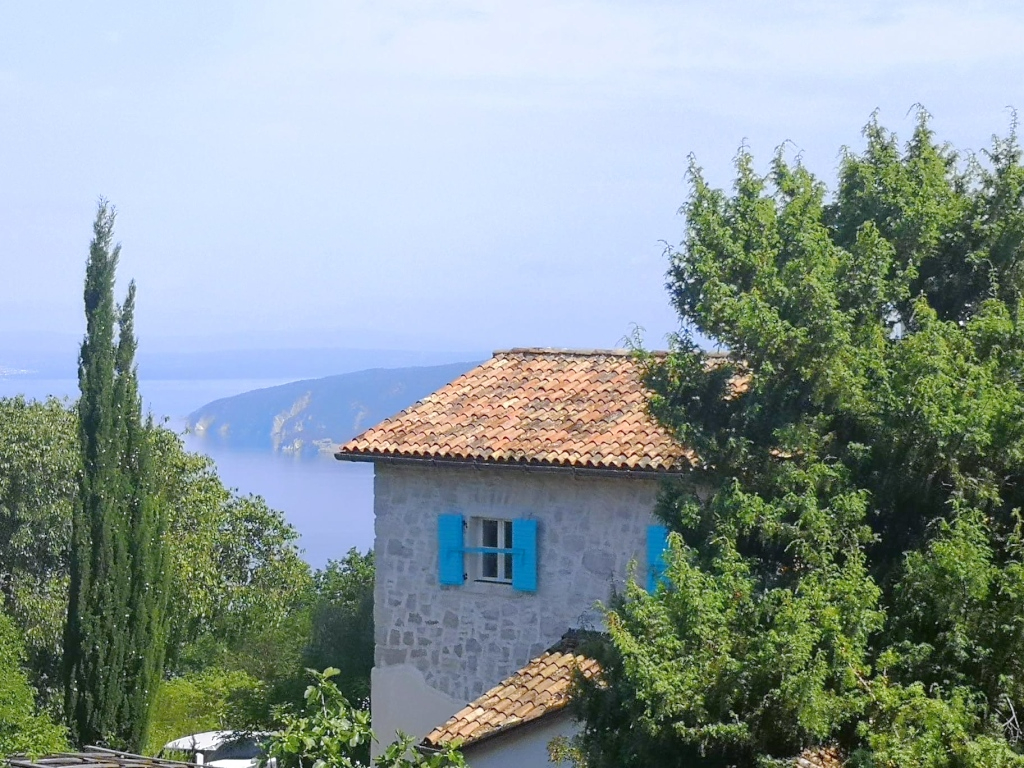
(94,636)
(114,633)
(147,599)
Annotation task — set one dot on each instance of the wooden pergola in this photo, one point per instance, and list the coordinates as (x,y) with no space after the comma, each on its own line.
(95,757)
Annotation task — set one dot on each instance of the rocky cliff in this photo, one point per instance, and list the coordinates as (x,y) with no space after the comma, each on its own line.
(317,414)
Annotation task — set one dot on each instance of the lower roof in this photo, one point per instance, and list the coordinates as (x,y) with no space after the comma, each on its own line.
(539,689)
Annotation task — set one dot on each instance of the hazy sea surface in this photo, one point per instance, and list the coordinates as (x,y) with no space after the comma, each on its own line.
(329,502)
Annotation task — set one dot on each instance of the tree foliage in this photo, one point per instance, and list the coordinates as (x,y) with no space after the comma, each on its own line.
(234,563)
(330,733)
(95,642)
(147,619)
(23,729)
(850,566)
(211,700)
(341,633)
(114,640)
(39,465)
(329,625)
(102,511)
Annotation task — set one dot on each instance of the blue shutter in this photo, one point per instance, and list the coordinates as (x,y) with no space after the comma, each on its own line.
(524,568)
(657,543)
(450,569)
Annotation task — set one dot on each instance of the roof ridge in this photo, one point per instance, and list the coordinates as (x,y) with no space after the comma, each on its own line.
(619,352)
(585,352)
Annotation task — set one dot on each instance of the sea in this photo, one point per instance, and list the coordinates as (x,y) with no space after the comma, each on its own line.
(329,502)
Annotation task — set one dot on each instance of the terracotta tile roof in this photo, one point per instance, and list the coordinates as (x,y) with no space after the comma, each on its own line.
(542,407)
(538,689)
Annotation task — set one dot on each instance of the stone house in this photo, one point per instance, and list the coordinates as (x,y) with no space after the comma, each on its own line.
(507,505)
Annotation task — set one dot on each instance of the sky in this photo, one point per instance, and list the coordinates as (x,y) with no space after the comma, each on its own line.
(418,174)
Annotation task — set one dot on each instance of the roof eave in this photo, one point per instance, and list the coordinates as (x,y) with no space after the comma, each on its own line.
(508,727)
(522,466)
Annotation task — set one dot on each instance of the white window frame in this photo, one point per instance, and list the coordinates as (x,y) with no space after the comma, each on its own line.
(503,561)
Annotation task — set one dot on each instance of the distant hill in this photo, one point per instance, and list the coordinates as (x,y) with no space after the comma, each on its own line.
(317,414)
(57,359)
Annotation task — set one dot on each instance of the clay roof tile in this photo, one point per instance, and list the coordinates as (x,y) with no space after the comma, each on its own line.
(534,406)
(532,692)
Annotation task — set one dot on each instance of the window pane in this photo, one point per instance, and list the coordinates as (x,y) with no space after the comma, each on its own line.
(508,534)
(489,533)
(489,566)
(508,567)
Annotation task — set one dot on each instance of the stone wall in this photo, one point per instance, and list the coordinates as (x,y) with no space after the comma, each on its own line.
(463,640)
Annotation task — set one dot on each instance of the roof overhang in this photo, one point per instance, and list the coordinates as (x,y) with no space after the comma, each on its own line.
(566,469)
(517,727)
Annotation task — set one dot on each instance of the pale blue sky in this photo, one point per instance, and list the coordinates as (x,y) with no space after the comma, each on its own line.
(450,175)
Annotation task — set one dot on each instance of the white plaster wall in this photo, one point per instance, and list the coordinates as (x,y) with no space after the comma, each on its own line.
(523,747)
(421,708)
(464,640)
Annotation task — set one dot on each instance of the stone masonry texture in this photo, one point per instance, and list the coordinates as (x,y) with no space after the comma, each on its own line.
(466,639)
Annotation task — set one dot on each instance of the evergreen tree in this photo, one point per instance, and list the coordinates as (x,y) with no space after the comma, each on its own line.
(147,600)
(94,642)
(856,574)
(115,628)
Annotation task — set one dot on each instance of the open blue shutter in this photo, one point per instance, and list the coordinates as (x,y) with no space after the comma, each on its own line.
(524,568)
(657,543)
(450,569)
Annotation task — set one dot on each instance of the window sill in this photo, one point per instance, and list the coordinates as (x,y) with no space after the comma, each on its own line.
(490,588)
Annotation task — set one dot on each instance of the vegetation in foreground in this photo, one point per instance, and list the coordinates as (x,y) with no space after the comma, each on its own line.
(330,732)
(23,729)
(246,615)
(239,615)
(856,575)
(114,637)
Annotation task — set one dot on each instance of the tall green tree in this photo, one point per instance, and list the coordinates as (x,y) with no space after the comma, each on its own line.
(116,619)
(234,562)
(240,595)
(147,620)
(94,644)
(852,572)
(341,635)
(39,467)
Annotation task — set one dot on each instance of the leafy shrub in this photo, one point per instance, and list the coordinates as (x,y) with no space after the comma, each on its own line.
(23,729)
(330,733)
(211,700)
